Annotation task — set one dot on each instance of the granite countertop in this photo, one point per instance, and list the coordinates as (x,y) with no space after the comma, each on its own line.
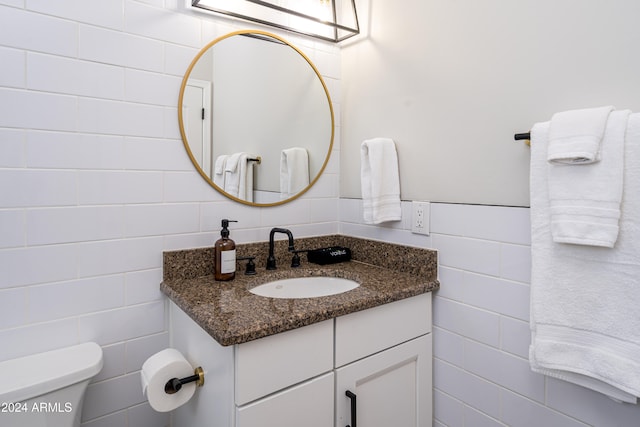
(233,315)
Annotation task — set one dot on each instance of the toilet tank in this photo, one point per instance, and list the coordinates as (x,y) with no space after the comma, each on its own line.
(47,389)
(31,376)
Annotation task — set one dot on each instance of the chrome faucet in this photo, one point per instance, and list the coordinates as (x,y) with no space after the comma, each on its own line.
(271,260)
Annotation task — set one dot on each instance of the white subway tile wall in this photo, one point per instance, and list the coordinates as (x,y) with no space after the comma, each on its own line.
(95,183)
(481,323)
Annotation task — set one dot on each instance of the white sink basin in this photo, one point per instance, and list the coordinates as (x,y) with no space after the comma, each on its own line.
(305,287)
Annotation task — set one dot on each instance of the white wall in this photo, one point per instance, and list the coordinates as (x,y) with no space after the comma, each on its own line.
(95,182)
(452,81)
(481,323)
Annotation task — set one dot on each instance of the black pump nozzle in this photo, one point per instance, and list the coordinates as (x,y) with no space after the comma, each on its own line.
(225,222)
(225,231)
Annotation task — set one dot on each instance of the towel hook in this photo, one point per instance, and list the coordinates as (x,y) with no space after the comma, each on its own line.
(523,136)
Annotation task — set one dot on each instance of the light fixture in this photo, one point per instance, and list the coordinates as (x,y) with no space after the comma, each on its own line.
(330,20)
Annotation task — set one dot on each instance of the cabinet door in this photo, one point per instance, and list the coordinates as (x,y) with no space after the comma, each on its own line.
(392,388)
(309,404)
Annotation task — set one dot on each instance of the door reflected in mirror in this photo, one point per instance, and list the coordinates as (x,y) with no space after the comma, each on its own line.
(256,118)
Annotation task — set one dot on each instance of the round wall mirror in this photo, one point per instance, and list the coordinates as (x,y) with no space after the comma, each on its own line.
(256,118)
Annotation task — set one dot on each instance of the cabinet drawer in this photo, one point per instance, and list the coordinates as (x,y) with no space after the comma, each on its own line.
(270,364)
(370,331)
(309,404)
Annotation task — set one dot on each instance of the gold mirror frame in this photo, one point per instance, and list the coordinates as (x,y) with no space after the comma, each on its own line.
(184,136)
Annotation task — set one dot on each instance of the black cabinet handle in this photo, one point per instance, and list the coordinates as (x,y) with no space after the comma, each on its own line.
(352,396)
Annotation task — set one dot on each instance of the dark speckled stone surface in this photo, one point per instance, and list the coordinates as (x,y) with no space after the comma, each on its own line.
(233,315)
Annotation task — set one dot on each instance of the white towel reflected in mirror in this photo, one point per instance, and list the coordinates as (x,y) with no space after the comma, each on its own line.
(238,176)
(294,171)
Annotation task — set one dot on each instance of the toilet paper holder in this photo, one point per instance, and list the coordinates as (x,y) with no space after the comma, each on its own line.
(175,384)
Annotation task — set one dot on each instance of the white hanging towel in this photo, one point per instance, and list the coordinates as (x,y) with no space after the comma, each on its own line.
(294,171)
(585,197)
(219,170)
(585,327)
(239,176)
(575,136)
(380,181)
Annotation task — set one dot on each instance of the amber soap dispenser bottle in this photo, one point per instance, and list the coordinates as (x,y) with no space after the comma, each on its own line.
(225,250)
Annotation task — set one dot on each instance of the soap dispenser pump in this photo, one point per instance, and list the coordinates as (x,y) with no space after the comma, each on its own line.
(225,253)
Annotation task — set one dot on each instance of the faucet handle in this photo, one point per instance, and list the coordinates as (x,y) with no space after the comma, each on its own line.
(250,269)
(295,261)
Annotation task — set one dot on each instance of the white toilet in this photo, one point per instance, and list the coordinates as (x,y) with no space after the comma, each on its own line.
(47,389)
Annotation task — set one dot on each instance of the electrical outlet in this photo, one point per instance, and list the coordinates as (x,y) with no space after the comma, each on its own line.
(420,214)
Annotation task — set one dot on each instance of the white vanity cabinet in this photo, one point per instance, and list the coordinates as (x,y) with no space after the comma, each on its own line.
(300,377)
(383,358)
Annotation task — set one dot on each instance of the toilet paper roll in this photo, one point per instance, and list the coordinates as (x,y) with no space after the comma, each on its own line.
(160,368)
